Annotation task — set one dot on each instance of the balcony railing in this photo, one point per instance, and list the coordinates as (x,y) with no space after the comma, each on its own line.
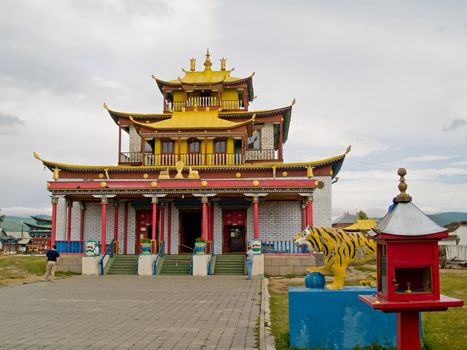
(150,159)
(260,154)
(204,101)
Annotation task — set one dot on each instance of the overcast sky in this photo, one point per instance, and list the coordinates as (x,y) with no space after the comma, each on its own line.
(387,77)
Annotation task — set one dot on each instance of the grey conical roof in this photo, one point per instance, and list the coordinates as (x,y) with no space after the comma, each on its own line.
(405,219)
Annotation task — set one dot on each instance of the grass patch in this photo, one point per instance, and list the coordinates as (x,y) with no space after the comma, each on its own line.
(442,330)
(16,267)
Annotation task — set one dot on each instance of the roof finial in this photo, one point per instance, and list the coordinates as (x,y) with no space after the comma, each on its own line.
(223,60)
(402,197)
(207,61)
(192,64)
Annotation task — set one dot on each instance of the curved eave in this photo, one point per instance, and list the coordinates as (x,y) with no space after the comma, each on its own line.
(335,162)
(116,115)
(285,111)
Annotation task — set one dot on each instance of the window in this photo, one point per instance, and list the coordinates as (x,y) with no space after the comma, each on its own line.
(167,147)
(194,146)
(219,146)
(254,142)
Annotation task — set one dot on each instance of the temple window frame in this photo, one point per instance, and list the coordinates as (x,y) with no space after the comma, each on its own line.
(220,141)
(167,142)
(192,142)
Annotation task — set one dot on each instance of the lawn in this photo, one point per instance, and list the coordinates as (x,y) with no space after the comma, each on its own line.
(23,269)
(442,330)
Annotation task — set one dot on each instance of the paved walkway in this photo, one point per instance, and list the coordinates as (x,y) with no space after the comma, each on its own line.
(131,312)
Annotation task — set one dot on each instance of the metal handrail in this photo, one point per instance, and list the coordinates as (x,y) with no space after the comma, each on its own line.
(191,261)
(187,247)
(108,251)
(160,254)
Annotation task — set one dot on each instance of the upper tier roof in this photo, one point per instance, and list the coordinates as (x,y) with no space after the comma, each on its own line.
(207,77)
(192,120)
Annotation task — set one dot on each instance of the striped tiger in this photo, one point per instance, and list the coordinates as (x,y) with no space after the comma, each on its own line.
(339,247)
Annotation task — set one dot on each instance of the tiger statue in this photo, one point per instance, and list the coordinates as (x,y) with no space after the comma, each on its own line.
(339,247)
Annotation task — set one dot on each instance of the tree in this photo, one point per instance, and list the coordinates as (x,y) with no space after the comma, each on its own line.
(2,218)
(361,215)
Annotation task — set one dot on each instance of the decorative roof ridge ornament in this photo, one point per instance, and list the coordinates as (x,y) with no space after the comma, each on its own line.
(402,197)
(223,62)
(207,61)
(192,64)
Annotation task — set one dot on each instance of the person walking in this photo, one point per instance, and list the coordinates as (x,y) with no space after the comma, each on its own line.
(250,255)
(52,259)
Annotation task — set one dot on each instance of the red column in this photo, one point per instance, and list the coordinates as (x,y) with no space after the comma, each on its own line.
(115,222)
(204,218)
(54,221)
(408,330)
(310,211)
(154,218)
(210,221)
(103,224)
(162,222)
(81,222)
(68,219)
(304,217)
(169,226)
(119,143)
(255,217)
(125,228)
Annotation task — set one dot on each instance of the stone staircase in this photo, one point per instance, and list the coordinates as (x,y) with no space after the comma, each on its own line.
(176,265)
(124,265)
(229,265)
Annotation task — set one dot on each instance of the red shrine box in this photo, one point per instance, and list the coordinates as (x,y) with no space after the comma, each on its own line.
(408,267)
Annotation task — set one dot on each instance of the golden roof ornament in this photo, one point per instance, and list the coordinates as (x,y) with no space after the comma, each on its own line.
(402,197)
(207,61)
(192,64)
(223,61)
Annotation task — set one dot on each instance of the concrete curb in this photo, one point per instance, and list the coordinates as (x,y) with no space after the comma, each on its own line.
(266,339)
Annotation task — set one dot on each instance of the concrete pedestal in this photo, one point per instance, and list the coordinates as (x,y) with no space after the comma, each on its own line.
(146,265)
(337,319)
(200,264)
(90,264)
(258,265)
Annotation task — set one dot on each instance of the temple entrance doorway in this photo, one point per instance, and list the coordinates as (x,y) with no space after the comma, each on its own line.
(143,228)
(190,229)
(234,223)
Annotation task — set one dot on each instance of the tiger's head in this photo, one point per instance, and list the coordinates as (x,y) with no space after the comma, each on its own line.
(300,239)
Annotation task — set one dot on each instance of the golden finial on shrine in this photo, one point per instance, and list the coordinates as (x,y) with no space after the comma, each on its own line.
(223,61)
(207,61)
(402,197)
(192,64)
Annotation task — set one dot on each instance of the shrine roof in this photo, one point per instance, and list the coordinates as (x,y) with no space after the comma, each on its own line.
(361,225)
(193,120)
(335,162)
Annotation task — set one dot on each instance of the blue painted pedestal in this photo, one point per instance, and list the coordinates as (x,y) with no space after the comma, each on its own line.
(336,319)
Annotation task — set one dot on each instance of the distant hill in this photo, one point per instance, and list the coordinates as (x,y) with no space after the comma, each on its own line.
(444,219)
(13,223)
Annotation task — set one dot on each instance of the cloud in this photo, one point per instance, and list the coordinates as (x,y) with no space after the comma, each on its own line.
(428,158)
(455,124)
(10,124)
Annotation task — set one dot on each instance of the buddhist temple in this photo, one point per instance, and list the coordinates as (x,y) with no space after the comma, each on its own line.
(207,166)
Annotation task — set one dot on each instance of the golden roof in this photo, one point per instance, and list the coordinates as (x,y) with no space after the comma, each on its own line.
(362,225)
(193,120)
(206,76)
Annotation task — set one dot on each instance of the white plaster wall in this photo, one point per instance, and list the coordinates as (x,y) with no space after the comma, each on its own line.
(278,220)
(61,219)
(217,229)
(322,203)
(135,140)
(175,234)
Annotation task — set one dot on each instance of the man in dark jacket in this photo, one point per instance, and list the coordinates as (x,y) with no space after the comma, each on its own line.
(52,259)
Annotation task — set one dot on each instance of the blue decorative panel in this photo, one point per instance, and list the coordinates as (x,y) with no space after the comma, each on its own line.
(337,320)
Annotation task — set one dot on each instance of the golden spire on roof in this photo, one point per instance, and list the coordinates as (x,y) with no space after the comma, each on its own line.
(223,60)
(207,61)
(192,64)
(402,197)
